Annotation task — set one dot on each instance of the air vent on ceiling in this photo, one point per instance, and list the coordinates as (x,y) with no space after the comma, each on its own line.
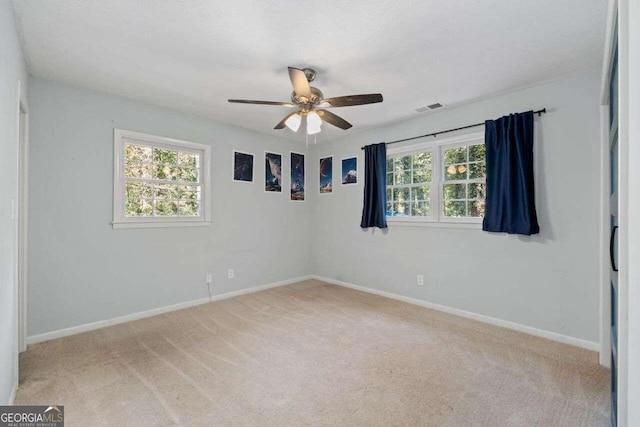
(429,107)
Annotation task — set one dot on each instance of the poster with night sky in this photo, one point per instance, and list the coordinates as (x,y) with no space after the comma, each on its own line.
(350,171)
(242,166)
(297,176)
(272,172)
(326,175)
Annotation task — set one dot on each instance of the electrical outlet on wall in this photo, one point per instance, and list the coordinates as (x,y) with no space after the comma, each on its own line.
(209,278)
(420,280)
(231,274)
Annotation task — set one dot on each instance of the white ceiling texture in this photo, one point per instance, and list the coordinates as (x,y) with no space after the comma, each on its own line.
(192,55)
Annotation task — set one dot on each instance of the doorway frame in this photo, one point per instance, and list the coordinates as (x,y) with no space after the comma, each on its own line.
(618,9)
(605,297)
(22,217)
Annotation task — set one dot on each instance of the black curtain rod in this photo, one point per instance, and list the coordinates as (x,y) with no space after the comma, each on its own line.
(434,134)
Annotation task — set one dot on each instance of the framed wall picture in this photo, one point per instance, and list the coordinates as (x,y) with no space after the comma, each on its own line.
(242,166)
(272,172)
(326,175)
(297,177)
(349,175)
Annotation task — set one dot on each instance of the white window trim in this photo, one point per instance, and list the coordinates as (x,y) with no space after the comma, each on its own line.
(119,218)
(436,147)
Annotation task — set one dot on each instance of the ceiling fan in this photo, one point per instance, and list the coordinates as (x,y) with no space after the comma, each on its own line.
(310,103)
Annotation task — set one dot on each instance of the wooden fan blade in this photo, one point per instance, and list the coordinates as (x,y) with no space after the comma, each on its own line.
(300,83)
(248,101)
(332,119)
(282,124)
(351,100)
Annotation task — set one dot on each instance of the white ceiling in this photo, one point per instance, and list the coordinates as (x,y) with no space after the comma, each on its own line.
(193,55)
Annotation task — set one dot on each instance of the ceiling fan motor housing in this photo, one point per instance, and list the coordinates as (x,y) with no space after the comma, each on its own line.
(316,97)
(310,74)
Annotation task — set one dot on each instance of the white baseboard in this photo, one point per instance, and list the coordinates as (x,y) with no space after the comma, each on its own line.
(565,339)
(12,397)
(153,312)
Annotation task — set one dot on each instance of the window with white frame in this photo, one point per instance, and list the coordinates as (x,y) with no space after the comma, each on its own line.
(159,182)
(409,180)
(441,181)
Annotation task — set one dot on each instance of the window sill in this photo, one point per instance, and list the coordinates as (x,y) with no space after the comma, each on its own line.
(160,224)
(472,225)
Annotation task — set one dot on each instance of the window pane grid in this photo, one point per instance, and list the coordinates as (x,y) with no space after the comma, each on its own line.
(192,165)
(150,152)
(408,181)
(141,196)
(422,184)
(465,181)
(463,185)
(458,190)
(161,182)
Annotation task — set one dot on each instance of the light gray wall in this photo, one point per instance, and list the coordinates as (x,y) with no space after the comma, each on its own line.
(12,69)
(548,281)
(81,270)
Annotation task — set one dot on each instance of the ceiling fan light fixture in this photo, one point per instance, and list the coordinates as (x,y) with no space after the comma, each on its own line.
(313,120)
(313,123)
(293,122)
(313,130)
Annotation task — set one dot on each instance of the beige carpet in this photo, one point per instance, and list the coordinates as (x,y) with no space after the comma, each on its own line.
(314,354)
